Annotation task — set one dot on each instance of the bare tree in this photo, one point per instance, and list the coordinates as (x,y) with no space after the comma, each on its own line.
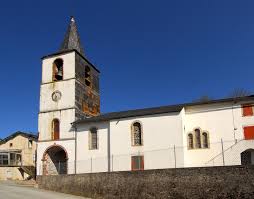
(203,98)
(239,92)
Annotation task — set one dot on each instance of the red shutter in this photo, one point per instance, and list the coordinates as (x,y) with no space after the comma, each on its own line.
(247,110)
(56,128)
(142,163)
(248,132)
(137,163)
(132,163)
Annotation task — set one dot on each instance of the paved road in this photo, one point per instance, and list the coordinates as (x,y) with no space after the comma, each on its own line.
(10,190)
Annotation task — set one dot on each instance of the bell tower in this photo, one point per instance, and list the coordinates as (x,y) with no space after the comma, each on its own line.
(69,88)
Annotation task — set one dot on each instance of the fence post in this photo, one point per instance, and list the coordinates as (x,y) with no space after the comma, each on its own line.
(175,155)
(91,165)
(222,149)
(112,162)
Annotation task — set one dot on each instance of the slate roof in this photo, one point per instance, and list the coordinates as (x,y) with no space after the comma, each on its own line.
(72,39)
(26,135)
(71,43)
(157,110)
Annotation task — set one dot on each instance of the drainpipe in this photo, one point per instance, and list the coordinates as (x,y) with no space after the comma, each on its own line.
(109,155)
(75,161)
(233,118)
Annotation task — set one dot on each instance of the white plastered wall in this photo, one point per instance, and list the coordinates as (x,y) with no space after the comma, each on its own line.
(95,160)
(68,145)
(65,117)
(67,89)
(221,121)
(68,70)
(160,133)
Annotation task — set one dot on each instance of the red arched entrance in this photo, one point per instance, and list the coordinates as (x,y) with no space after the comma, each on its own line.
(55,160)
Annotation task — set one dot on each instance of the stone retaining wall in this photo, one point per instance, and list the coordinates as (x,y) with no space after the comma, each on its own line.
(209,182)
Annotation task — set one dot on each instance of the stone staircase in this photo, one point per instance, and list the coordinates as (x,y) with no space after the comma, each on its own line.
(30,170)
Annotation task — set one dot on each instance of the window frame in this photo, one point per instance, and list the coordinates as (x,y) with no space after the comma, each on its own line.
(141,165)
(88,76)
(244,108)
(141,134)
(53,133)
(197,140)
(207,139)
(90,139)
(54,72)
(193,132)
(245,134)
(30,144)
(188,141)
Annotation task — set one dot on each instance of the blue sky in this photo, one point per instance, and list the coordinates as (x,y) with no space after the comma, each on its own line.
(150,53)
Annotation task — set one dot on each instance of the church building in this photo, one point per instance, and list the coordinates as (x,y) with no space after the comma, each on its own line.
(74,137)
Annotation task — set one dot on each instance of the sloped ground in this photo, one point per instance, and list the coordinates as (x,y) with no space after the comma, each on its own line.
(11,190)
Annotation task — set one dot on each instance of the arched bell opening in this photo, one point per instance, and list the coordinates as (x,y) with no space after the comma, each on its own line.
(55,161)
(58,70)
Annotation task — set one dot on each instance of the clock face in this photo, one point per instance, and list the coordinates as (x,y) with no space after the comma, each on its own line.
(56,96)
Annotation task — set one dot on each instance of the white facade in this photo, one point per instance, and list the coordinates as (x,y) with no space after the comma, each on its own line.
(109,142)
(161,132)
(63,109)
(165,140)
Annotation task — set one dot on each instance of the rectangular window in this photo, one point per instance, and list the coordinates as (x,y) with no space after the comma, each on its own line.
(137,163)
(93,139)
(248,132)
(30,144)
(247,110)
(4,159)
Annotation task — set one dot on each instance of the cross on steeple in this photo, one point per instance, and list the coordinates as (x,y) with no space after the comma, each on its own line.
(72,39)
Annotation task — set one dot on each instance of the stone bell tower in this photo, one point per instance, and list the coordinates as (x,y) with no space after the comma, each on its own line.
(69,88)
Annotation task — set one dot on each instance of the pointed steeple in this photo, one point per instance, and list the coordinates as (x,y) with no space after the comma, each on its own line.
(71,39)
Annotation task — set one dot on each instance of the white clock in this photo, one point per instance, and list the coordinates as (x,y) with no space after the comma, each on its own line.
(56,96)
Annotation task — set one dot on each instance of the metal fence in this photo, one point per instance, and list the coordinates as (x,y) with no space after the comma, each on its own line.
(221,153)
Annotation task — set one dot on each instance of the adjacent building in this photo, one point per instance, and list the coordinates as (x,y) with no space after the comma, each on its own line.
(74,137)
(18,156)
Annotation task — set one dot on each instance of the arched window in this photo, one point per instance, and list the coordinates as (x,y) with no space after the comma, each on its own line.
(55,129)
(190,141)
(137,134)
(205,140)
(93,139)
(88,76)
(58,70)
(197,138)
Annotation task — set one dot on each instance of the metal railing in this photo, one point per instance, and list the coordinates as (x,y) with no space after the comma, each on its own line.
(221,153)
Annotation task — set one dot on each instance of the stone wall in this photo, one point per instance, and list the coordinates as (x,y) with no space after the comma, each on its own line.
(209,182)
(12,173)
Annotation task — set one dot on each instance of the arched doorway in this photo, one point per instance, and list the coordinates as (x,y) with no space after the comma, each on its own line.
(247,157)
(55,161)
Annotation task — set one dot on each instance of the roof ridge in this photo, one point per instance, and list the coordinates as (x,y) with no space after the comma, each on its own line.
(157,110)
(15,134)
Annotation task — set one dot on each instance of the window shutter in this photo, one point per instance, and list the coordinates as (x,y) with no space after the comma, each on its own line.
(142,163)
(247,110)
(249,132)
(134,163)
(137,163)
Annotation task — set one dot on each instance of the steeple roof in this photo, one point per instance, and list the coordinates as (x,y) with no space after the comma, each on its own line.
(72,39)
